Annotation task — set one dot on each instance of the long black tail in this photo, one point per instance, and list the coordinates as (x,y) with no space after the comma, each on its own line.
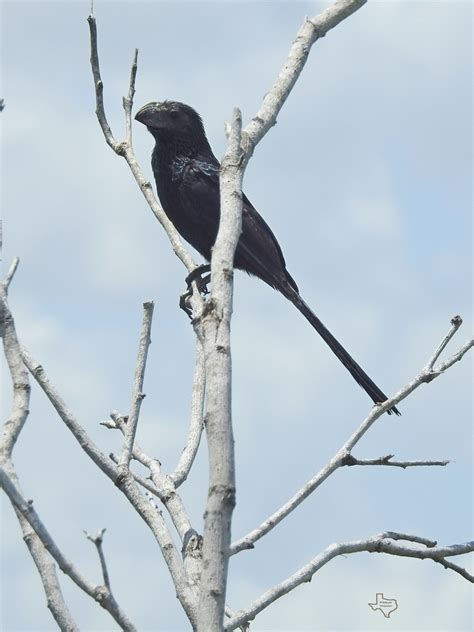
(360,376)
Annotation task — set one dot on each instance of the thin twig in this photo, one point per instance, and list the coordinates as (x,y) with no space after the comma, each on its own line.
(119,422)
(396,535)
(146,484)
(457,569)
(168,496)
(137,394)
(387,460)
(188,455)
(162,486)
(456,322)
(97,540)
(10,274)
(128,100)
(99,86)
(19,375)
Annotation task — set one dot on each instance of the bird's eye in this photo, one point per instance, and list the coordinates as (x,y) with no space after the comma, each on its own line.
(173,114)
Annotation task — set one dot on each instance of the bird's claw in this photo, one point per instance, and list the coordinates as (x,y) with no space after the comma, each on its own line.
(197,276)
(183,303)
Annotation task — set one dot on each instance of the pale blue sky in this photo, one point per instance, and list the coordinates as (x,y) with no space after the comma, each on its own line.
(372,154)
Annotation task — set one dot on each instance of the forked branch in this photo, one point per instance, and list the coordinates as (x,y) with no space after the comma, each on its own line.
(125,148)
(381,543)
(344,457)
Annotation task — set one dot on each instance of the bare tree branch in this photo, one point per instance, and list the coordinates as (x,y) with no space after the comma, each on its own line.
(166,492)
(99,593)
(19,375)
(47,571)
(99,86)
(128,100)
(137,394)
(10,274)
(456,322)
(162,485)
(145,483)
(340,458)
(196,426)
(125,148)
(45,565)
(380,543)
(418,539)
(309,33)
(97,540)
(457,569)
(213,321)
(126,484)
(214,329)
(456,357)
(10,433)
(230,614)
(387,460)
(86,443)
(192,556)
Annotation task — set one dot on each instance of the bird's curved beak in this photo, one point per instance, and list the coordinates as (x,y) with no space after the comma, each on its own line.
(147,115)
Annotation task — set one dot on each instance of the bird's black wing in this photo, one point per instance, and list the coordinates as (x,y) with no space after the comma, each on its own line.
(194,204)
(258,251)
(198,201)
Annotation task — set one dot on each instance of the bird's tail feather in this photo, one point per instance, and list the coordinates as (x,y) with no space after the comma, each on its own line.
(360,376)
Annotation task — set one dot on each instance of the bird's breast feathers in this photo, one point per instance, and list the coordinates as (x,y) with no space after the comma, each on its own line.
(183,167)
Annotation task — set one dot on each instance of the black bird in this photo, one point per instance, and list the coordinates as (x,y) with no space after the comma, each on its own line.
(187,180)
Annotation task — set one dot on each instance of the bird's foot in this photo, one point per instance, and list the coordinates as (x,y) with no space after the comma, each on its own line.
(184,302)
(197,276)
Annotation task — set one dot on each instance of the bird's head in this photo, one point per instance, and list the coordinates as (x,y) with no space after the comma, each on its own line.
(172,121)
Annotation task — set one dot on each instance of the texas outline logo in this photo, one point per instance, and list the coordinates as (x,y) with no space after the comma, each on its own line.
(386,606)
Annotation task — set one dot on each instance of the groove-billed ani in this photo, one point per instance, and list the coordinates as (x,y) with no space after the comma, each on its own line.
(187,179)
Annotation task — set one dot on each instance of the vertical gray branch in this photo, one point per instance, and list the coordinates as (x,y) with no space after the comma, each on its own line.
(19,375)
(137,394)
(215,325)
(188,455)
(97,541)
